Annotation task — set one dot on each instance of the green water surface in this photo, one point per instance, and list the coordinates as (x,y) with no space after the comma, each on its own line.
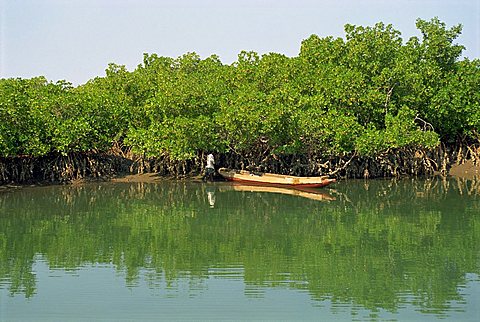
(406,250)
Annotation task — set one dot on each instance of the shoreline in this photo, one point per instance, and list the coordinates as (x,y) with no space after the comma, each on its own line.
(465,171)
(81,168)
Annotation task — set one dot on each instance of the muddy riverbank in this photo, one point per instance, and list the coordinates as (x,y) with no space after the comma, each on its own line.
(467,170)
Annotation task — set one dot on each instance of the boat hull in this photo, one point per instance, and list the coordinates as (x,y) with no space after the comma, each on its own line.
(275,179)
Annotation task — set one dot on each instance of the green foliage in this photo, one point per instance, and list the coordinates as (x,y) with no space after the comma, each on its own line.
(338,96)
(26,117)
(400,131)
(438,44)
(457,102)
(329,132)
(176,116)
(179,137)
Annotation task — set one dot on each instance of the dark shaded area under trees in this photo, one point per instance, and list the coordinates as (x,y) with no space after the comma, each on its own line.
(370,104)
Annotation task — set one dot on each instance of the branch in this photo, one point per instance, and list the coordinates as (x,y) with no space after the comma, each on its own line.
(387,99)
(344,166)
(425,124)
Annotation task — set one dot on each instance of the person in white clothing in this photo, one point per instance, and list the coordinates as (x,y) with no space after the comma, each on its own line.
(210,168)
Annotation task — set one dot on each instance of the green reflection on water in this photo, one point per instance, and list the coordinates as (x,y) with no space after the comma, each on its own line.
(379,245)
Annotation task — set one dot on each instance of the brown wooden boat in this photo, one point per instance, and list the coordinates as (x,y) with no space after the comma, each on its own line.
(276,179)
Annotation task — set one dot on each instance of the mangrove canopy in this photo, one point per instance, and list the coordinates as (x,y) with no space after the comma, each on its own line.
(363,95)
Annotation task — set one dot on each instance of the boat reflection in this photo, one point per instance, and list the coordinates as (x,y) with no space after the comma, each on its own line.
(310,193)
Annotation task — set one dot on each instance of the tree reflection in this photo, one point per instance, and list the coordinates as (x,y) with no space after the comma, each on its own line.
(377,242)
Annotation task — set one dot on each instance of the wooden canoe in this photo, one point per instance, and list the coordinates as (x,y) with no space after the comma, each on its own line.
(276,179)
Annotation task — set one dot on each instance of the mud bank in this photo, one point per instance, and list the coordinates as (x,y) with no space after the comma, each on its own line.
(467,170)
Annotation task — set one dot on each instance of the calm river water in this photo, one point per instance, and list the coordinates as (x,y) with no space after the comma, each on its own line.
(402,250)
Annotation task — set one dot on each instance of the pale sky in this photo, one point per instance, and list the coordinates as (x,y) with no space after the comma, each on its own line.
(76,39)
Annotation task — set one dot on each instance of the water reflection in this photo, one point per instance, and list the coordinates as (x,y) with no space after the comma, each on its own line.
(375,245)
(211,197)
(309,193)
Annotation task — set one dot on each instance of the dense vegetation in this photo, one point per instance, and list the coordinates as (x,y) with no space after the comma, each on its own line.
(363,95)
